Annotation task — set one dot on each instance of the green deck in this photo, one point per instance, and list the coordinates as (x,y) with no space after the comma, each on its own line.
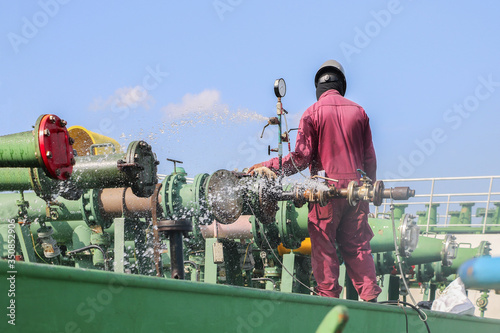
(70,300)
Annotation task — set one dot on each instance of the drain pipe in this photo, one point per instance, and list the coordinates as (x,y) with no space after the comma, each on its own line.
(175,229)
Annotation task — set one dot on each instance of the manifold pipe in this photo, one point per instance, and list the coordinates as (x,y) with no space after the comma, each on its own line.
(240,229)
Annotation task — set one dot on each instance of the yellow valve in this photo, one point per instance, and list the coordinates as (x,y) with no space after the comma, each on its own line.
(84,139)
(305,248)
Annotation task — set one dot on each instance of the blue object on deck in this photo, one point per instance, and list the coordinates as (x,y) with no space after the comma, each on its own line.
(481,273)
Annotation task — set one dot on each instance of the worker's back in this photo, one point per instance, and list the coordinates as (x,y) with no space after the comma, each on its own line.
(344,141)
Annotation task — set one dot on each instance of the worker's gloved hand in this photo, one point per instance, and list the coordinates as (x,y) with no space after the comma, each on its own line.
(262,171)
(253,167)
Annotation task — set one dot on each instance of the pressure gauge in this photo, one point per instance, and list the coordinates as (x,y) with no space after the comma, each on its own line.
(279,88)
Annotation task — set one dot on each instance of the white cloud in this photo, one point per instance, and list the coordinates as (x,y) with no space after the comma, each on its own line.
(205,102)
(207,105)
(126,97)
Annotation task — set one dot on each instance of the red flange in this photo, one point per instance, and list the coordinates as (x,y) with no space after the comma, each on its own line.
(55,147)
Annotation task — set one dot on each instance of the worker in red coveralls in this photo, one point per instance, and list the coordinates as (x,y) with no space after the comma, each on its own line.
(335,136)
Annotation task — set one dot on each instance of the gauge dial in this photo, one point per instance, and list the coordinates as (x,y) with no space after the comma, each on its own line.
(279,88)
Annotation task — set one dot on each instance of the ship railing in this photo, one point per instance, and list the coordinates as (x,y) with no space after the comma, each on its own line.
(447,193)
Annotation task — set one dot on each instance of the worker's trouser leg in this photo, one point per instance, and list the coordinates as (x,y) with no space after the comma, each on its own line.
(353,237)
(325,264)
(349,226)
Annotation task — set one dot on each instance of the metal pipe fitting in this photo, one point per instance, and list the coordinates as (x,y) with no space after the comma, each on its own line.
(240,229)
(48,147)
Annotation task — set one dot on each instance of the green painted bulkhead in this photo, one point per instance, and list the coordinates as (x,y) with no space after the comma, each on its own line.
(61,299)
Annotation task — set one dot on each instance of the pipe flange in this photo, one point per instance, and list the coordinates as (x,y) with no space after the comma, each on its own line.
(141,167)
(199,192)
(54,146)
(409,233)
(90,208)
(183,225)
(43,186)
(449,251)
(351,196)
(224,197)
(285,222)
(268,203)
(164,193)
(378,192)
(298,197)
(45,232)
(483,249)
(173,185)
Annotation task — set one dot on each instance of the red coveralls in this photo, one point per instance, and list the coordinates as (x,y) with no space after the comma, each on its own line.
(335,136)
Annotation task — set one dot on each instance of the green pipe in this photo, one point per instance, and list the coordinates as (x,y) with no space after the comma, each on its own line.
(423,215)
(63,231)
(25,179)
(47,146)
(179,198)
(463,254)
(62,210)
(335,320)
(428,250)
(8,207)
(20,150)
(454,217)
(383,240)
(98,171)
(465,213)
(464,216)
(15,179)
(75,235)
(135,169)
(81,237)
(292,225)
(399,211)
(493,214)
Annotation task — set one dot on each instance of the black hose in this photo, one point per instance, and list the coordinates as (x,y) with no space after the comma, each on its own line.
(421,314)
(92,246)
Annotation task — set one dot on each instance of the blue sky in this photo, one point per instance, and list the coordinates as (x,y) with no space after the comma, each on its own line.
(195,79)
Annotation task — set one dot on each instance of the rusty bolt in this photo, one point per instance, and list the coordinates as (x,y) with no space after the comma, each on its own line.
(46,132)
(71,141)
(58,172)
(66,175)
(48,154)
(63,123)
(52,119)
(73,161)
